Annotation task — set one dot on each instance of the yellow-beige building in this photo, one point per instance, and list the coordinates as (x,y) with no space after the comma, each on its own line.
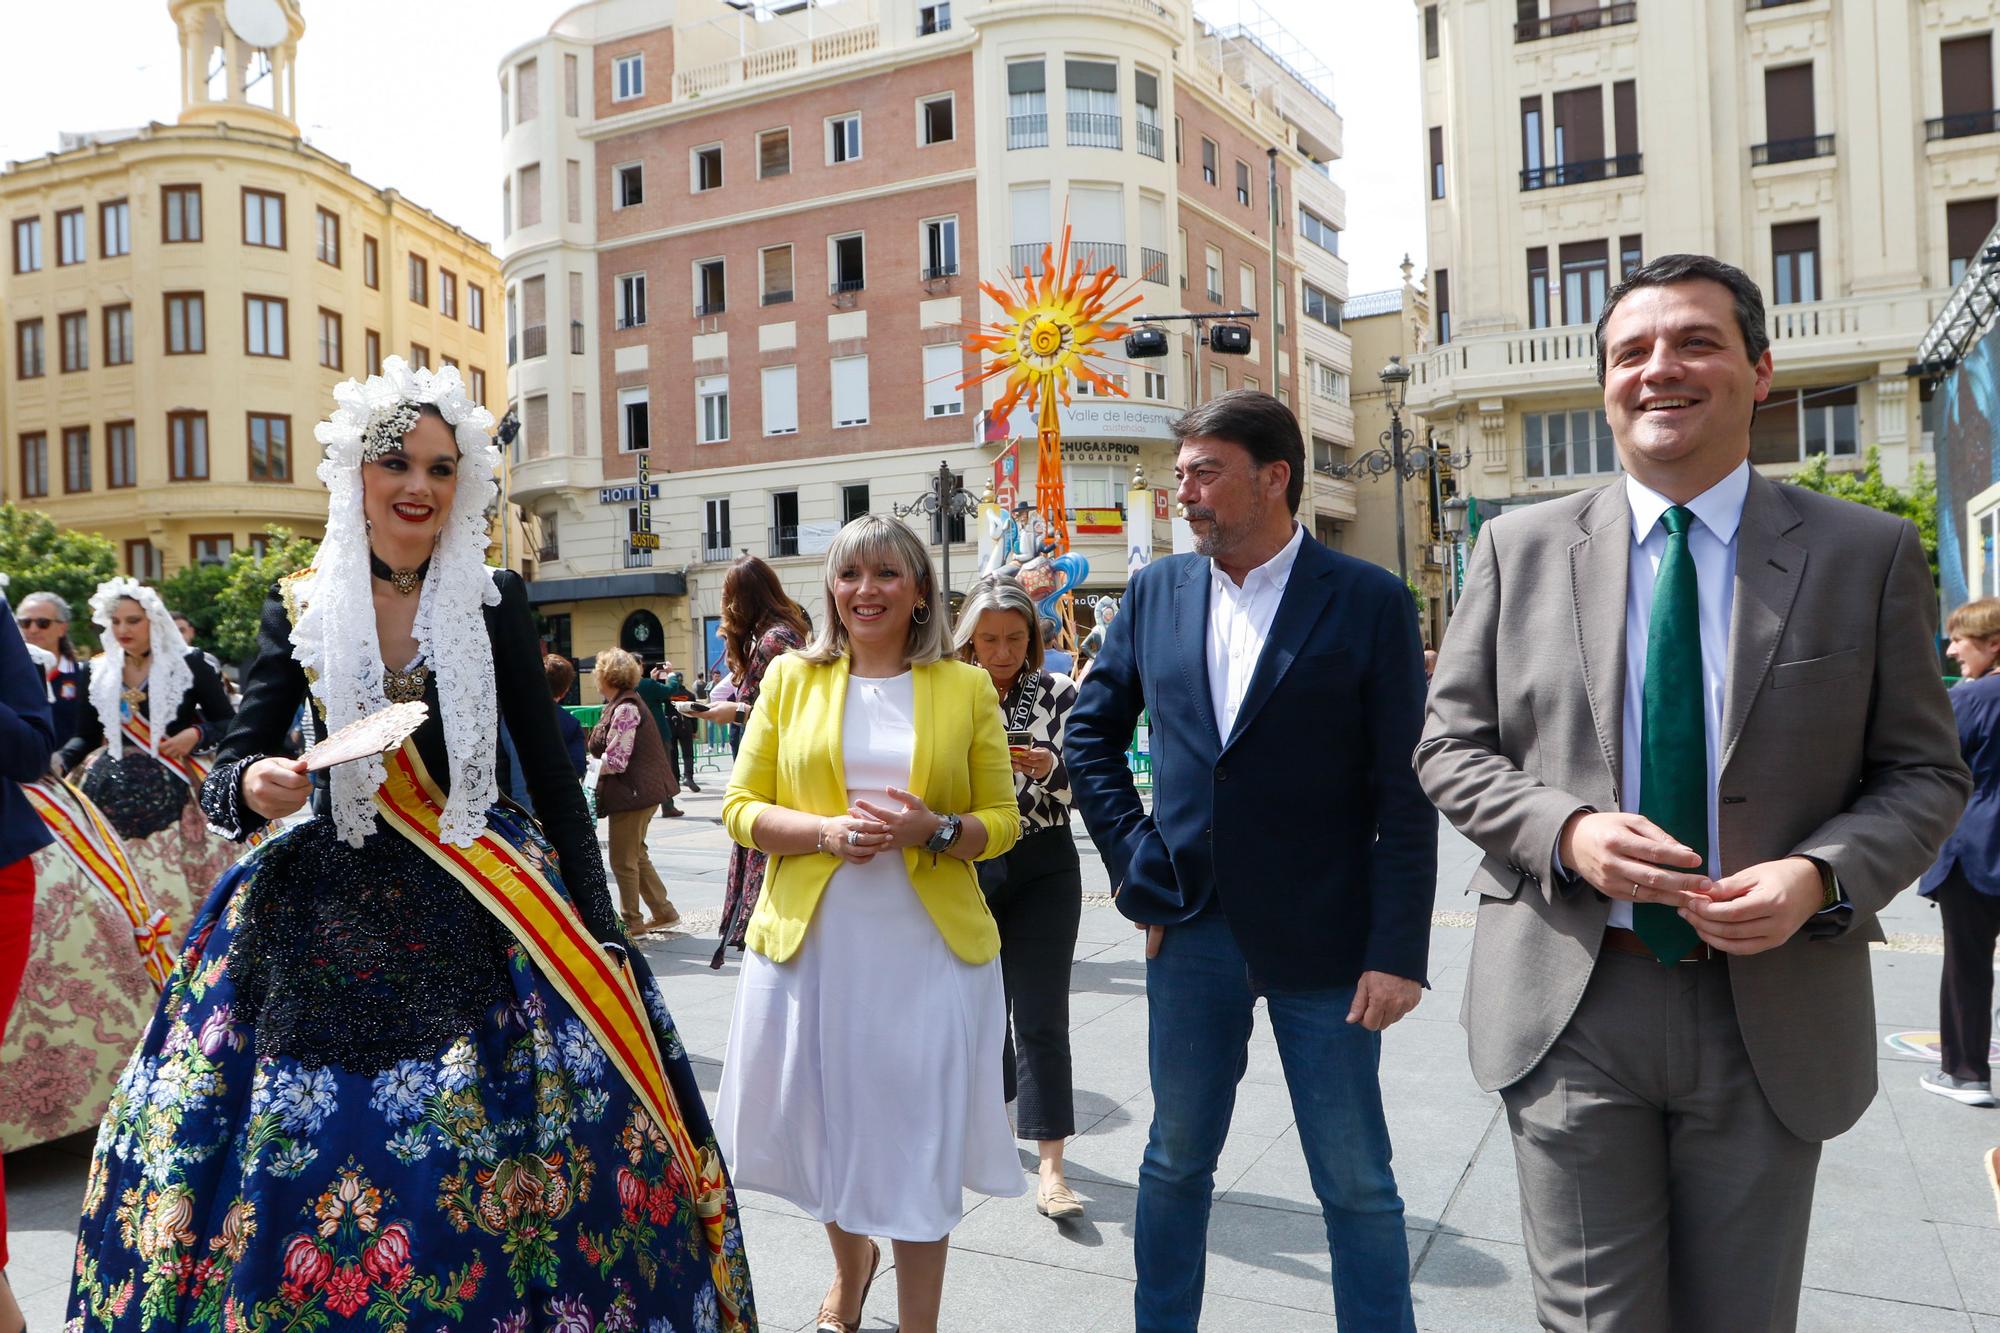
(178,302)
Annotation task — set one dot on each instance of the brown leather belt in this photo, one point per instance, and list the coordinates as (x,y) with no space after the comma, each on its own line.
(1624,941)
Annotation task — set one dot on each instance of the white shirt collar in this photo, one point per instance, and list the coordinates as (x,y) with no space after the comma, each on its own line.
(1719,508)
(1277,570)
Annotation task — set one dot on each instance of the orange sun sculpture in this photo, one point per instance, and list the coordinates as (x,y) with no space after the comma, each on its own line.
(1055,327)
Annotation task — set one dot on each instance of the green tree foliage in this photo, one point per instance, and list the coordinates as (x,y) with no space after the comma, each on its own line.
(226,601)
(40,557)
(1916,502)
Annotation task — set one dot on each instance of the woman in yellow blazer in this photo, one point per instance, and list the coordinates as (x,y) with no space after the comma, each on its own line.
(862,1082)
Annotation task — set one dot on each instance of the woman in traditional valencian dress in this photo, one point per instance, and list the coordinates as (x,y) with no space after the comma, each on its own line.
(405,1074)
(97,956)
(155,705)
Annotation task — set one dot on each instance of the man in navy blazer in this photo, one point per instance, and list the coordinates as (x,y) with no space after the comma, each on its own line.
(1290,852)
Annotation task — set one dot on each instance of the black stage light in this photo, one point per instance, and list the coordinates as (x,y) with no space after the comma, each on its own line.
(1146,342)
(1232,338)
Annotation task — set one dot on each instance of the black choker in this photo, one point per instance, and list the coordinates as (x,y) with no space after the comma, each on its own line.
(404,581)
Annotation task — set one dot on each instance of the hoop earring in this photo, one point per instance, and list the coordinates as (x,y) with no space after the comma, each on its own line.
(925,618)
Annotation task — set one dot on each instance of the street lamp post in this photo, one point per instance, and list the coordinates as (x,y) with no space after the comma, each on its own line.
(1399,457)
(944,501)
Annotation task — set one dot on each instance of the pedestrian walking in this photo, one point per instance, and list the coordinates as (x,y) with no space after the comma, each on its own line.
(760,623)
(681,727)
(1694,720)
(1035,891)
(407,1062)
(43,618)
(862,1081)
(156,709)
(1288,854)
(1964,882)
(652,690)
(27,739)
(635,779)
(560,673)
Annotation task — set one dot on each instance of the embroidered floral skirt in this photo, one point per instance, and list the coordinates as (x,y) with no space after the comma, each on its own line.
(85,999)
(504,1179)
(165,833)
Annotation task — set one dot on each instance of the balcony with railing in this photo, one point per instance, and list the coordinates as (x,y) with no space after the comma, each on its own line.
(939,272)
(1560,25)
(1804,336)
(1096,256)
(783,297)
(1026,260)
(1962,126)
(513,349)
(776,62)
(845,286)
(1151,142)
(1096,129)
(706,308)
(1802,149)
(576,337)
(715,548)
(1772,4)
(783,540)
(1153,265)
(535,341)
(636,559)
(548,555)
(628,321)
(1214,297)
(1028,131)
(1576,173)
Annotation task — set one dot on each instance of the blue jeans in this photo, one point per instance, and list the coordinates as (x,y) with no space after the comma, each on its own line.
(1199,1004)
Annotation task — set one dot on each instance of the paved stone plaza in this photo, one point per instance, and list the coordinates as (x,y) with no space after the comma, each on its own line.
(1905,1235)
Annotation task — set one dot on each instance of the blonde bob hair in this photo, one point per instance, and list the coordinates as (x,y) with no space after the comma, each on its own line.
(997,592)
(872,537)
(616,671)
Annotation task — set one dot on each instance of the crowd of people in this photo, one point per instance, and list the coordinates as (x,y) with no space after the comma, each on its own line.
(371,1036)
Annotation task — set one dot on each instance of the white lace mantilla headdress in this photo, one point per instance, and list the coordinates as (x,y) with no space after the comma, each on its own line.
(334,638)
(169,679)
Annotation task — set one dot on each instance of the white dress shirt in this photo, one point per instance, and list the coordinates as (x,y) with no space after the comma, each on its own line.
(1718,511)
(1239,621)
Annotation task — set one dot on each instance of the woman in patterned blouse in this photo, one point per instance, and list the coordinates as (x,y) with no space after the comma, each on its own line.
(760,623)
(1035,891)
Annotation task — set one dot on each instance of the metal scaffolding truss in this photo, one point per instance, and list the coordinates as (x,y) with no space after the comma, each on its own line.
(1968,312)
(1234,24)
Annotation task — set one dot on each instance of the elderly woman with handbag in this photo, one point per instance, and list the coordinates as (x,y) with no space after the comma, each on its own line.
(635,779)
(862,1082)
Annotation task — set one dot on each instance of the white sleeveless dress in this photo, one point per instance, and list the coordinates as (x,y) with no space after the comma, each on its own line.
(863,1078)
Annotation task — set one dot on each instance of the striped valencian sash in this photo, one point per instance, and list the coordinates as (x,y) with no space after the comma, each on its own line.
(192,770)
(603,992)
(80,829)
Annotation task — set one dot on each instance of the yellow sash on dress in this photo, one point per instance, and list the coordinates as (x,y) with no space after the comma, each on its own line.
(192,770)
(604,993)
(82,832)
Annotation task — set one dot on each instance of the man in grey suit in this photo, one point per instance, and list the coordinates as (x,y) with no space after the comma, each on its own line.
(1694,719)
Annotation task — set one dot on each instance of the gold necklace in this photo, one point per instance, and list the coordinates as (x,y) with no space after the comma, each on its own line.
(404,687)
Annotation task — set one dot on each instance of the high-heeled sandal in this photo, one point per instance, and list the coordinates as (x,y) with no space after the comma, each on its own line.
(829,1322)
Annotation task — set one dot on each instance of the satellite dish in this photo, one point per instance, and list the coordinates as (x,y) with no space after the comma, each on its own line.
(259,23)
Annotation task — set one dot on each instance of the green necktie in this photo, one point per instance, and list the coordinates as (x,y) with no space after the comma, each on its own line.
(1673,744)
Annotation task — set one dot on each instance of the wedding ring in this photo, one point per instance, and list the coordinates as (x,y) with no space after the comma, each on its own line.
(852,837)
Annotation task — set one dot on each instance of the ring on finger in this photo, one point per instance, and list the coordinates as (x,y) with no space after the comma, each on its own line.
(852,837)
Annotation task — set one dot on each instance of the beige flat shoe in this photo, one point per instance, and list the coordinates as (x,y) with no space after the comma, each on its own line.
(1057,1201)
(829,1322)
(1993,1173)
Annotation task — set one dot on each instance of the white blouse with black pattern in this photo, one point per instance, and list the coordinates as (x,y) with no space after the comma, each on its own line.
(1039,704)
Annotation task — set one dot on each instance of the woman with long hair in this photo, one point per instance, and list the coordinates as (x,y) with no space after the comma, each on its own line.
(1035,891)
(44,621)
(406,1072)
(760,623)
(155,708)
(862,1082)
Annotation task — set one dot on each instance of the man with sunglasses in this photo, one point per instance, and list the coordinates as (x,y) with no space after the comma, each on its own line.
(44,621)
